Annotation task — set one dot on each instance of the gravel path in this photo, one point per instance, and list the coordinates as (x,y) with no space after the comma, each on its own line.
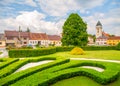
(32,64)
(116,61)
(95,68)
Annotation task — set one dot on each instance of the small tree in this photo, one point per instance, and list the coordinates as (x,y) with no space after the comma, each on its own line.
(28,30)
(74,31)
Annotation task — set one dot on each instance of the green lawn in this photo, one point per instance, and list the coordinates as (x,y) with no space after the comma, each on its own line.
(83,81)
(99,54)
(36,78)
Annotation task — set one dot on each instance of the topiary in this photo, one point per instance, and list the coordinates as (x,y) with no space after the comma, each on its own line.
(77,51)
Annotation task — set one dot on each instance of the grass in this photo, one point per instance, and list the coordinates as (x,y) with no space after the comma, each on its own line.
(99,54)
(34,79)
(83,81)
(0,52)
(50,73)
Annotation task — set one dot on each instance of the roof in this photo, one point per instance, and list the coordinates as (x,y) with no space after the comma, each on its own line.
(54,37)
(105,34)
(2,37)
(102,37)
(38,36)
(16,34)
(98,23)
(114,38)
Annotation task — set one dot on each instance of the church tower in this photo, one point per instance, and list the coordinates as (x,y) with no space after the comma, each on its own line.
(98,29)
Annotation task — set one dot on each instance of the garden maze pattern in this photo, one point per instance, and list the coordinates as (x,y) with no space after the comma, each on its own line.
(50,73)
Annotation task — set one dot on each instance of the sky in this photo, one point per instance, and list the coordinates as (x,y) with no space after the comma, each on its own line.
(48,16)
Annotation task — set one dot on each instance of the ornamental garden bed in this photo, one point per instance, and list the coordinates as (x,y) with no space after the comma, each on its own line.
(63,70)
(60,69)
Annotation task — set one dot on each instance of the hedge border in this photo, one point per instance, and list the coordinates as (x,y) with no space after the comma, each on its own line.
(22,74)
(46,51)
(60,72)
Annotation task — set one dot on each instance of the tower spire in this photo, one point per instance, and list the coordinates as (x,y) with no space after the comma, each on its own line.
(98,23)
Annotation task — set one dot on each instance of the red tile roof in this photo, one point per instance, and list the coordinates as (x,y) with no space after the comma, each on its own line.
(38,36)
(114,38)
(32,36)
(105,34)
(54,37)
(16,34)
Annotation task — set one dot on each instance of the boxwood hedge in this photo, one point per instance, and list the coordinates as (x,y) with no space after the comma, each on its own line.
(70,69)
(22,74)
(45,51)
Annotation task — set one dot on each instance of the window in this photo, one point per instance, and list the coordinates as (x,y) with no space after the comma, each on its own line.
(25,42)
(0,43)
(25,38)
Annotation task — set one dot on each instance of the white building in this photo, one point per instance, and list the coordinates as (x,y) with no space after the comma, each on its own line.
(54,40)
(101,37)
(38,38)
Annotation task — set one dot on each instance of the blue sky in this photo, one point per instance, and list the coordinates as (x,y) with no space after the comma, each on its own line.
(48,16)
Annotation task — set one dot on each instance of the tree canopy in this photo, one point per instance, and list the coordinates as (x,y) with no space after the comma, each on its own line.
(74,31)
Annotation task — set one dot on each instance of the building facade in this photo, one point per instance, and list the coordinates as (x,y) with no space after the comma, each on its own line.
(113,40)
(38,39)
(54,40)
(101,36)
(16,38)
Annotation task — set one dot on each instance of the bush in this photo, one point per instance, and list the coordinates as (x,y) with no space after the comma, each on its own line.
(64,48)
(46,51)
(20,75)
(118,46)
(54,71)
(31,52)
(77,51)
(99,48)
(6,63)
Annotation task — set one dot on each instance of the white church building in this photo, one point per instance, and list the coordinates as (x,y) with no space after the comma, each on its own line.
(101,36)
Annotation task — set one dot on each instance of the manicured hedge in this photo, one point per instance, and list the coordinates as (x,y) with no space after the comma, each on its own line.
(98,77)
(22,74)
(65,48)
(72,69)
(15,64)
(109,75)
(7,62)
(99,47)
(31,52)
(46,51)
(118,46)
(37,52)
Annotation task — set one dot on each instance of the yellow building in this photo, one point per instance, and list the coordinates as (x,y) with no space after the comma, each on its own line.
(113,40)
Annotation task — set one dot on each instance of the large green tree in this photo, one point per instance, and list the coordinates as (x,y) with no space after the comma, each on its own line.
(74,31)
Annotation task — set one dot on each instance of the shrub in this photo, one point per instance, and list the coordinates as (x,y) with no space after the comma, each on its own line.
(31,52)
(77,51)
(22,74)
(6,63)
(99,48)
(118,46)
(64,48)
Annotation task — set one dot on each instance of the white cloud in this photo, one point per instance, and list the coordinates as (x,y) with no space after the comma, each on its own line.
(34,20)
(27,2)
(110,21)
(61,7)
(30,2)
